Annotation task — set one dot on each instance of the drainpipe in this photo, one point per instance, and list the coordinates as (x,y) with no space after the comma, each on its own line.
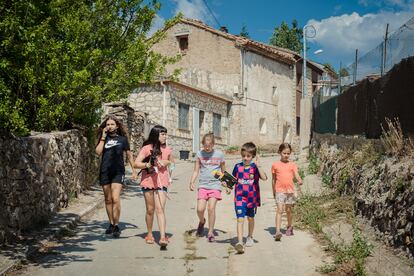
(164,102)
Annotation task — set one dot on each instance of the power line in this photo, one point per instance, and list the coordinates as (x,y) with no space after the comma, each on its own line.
(212,14)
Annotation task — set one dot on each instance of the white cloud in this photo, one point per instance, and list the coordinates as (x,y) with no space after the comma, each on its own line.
(339,36)
(195,9)
(157,24)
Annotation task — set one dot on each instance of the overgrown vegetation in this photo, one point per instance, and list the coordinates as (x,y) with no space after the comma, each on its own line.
(314,212)
(314,164)
(302,173)
(360,171)
(232,148)
(60,59)
(393,140)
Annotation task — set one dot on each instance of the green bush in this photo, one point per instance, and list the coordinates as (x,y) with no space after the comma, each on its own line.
(232,148)
(302,173)
(327,179)
(314,164)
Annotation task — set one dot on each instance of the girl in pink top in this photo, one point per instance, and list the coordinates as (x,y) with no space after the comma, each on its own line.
(154,159)
(283,173)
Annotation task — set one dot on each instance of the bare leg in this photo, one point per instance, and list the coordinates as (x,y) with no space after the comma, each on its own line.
(289,213)
(279,213)
(201,208)
(160,200)
(149,215)
(108,202)
(251,226)
(116,189)
(211,214)
(240,223)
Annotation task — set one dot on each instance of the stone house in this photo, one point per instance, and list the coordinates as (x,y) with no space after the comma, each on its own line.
(186,111)
(254,87)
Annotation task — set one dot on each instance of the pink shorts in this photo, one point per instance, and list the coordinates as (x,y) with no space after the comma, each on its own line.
(206,194)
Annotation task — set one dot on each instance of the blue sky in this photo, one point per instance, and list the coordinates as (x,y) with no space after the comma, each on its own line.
(341,25)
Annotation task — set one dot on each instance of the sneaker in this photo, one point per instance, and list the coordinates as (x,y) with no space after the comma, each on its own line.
(289,231)
(239,248)
(110,229)
(117,232)
(249,241)
(200,228)
(278,236)
(211,238)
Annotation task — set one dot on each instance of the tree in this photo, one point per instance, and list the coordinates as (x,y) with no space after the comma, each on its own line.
(61,59)
(244,32)
(289,38)
(343,72)
(331,69)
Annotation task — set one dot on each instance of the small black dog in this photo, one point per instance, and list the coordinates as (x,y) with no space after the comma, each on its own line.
(152,158)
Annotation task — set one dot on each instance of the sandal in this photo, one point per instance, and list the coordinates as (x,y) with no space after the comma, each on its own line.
(149,239)
(164,242)
(210,238)
(278,236)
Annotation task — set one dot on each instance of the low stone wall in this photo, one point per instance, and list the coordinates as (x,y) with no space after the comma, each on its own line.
(135,122)
(382,186)
(40,174)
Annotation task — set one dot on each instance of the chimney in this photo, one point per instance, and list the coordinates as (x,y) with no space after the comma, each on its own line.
(224,29)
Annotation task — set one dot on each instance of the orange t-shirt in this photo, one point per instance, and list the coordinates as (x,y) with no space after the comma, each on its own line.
(160,179)
(285,172)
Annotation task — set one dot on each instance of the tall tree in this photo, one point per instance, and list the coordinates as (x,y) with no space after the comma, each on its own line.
(289,38)
(343,72)
(244,32)
(61,59)
(331,68)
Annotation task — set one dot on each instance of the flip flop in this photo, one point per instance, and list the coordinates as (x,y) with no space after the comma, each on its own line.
(149,239)
(164,242)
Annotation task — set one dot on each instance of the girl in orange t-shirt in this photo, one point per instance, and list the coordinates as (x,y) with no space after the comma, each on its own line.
(153,159)
(283,173)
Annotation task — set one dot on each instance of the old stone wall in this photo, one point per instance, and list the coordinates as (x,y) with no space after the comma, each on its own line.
(382,186)
(40,174)
(268,115)
(180,139)
(135,122)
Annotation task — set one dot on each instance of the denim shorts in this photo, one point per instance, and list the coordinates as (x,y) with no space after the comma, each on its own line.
(164,189)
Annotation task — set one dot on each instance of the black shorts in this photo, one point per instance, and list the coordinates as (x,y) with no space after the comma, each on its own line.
(108,178)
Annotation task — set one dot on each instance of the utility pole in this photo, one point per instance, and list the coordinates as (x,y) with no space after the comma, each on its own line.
(304,84)
(384,52)
(355,66)
(340,77)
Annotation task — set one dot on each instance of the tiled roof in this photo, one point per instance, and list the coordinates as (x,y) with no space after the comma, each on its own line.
(280,54)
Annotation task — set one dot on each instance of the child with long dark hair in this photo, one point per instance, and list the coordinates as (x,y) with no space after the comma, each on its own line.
(154,159)
(112,143)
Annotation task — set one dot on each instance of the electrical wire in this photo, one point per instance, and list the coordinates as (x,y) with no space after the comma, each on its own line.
(212,14)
